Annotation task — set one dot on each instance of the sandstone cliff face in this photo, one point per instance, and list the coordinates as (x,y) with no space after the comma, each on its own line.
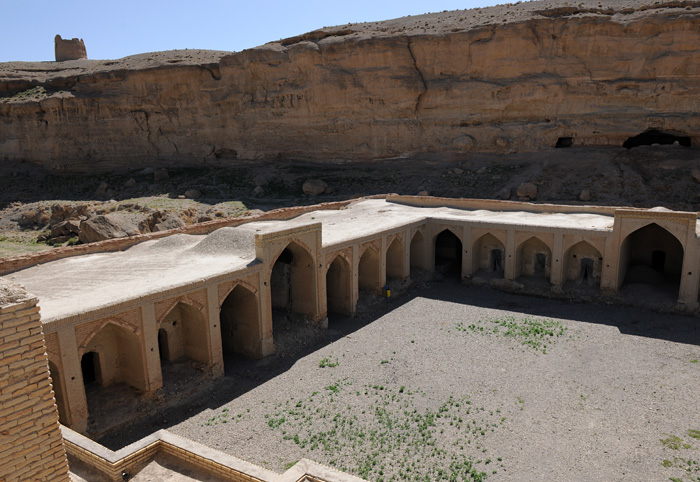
(596,77)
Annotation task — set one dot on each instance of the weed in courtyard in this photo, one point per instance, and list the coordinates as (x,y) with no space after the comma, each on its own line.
(393,439)
(674,442)
(328,363)
(689,469)
(536,333)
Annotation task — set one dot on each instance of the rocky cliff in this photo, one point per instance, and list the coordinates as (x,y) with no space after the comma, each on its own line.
(513,78)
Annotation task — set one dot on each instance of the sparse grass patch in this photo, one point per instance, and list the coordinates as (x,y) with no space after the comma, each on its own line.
(536,333)
(689,469)
(674,442)
(399,438)
(328,363)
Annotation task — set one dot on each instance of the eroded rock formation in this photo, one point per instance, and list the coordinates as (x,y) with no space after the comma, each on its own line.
(504,79)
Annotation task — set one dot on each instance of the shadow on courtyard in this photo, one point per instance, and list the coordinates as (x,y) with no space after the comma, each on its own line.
(243,375)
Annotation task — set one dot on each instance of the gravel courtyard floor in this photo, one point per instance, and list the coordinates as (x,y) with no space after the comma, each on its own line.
(458,383)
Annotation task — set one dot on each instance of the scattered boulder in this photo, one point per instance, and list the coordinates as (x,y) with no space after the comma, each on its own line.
(26,217)
(262,179)
(192,193)
(70,227)
(160,221)
(61,212)
(527,190)
(481,170)
(696,175)
(169,221)
(423,193)
(108,226)
(161,175)
(314,187)
(102,189)
(584,195)
(457,171)
(258,191)
(60,239)
(131,182)
(504,194)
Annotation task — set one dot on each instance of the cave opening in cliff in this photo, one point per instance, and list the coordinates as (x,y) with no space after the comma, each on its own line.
(564,142)
(654,136)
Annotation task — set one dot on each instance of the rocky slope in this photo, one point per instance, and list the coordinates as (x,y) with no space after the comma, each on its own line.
(513,78)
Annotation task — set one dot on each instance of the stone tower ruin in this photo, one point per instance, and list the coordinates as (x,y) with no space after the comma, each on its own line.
(69,49)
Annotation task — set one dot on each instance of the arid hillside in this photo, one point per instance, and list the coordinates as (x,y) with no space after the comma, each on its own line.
(509,79)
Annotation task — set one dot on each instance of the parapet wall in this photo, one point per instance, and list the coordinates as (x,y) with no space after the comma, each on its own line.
(31,446)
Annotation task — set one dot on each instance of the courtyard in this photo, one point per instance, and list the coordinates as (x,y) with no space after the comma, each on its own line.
(448,382)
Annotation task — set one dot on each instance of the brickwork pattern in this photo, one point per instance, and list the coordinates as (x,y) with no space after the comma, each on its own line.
(31,446)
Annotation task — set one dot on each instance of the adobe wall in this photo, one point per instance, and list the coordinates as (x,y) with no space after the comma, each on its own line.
(32,447)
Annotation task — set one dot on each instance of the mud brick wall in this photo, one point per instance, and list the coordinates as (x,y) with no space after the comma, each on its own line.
(31,445)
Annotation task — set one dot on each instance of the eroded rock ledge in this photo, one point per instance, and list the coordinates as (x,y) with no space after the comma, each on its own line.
(512,78)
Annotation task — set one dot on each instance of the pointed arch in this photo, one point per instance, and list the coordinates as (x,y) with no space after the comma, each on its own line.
(418,251)
(368,270)
(534,259)
(448,253)
(117,356)
(488,255)
(395,260)
(239,321)
(583,263)
(339,286)
(293,280)
(183,332)
(651,255)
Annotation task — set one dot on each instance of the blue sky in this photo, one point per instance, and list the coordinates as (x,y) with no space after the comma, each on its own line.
(115,29)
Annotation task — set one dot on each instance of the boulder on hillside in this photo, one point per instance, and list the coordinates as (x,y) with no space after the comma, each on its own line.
(527,190)
(695,173)
(66,228)
(107,226)
(314,187)
(160,221)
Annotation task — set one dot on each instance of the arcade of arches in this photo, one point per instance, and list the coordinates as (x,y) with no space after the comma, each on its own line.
(295,272)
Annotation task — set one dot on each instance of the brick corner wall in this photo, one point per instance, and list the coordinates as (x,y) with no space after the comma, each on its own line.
(31,445)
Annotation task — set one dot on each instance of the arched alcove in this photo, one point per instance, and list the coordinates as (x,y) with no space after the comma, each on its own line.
(183,333)
(368,270)
(293,281)
(339,286)
(113,355)
(395,260)
(534,259)
(488,256)
(240,322)
(448,254)
(417,251)
(583,264)
(652,256)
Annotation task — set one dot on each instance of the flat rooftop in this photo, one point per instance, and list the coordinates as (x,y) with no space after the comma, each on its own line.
(82,284)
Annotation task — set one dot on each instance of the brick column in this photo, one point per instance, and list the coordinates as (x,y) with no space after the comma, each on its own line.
(31,445)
